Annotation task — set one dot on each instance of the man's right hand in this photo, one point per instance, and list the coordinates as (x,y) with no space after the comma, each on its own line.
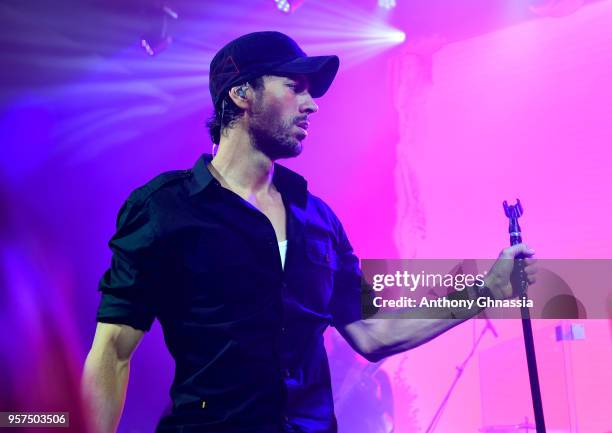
(498,278)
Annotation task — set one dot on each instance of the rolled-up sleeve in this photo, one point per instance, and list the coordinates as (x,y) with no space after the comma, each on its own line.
(129,286)
(350,297)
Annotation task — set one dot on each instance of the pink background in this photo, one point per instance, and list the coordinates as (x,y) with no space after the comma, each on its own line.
(415,147)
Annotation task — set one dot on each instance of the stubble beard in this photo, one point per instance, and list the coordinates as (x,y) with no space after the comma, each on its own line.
(272,136)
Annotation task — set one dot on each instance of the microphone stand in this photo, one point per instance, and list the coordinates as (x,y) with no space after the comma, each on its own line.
(513,212)
(460,370)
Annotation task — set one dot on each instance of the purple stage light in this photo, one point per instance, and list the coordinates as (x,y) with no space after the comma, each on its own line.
(397,36)
(288,6)
(386,4)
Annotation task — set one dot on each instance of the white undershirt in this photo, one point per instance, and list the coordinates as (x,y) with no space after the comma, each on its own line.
(282,247)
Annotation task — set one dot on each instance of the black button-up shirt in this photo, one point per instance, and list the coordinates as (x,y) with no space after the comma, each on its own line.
(246,335)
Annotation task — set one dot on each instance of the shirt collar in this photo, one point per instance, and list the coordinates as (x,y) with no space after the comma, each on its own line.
(290,184)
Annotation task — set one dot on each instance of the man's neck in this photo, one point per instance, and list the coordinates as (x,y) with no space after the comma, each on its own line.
(239,166)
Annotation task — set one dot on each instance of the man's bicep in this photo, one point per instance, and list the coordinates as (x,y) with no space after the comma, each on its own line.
(116,339)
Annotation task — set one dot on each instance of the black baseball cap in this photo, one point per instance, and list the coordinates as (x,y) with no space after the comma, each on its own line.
(267,53)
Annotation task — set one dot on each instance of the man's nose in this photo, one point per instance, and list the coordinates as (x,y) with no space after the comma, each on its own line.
(308,105)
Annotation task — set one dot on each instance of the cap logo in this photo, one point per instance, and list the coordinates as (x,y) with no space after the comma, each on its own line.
(224,73)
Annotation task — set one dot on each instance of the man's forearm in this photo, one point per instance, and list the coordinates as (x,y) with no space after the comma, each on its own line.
(387,335)
(391,336)
(104,384)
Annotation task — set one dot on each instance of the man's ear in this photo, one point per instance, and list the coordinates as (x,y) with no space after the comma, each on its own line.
(241,95)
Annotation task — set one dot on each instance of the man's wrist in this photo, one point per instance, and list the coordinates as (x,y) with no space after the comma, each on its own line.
(479,291)
(471,293)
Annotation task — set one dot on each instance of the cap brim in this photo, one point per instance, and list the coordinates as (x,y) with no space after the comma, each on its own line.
(321,71)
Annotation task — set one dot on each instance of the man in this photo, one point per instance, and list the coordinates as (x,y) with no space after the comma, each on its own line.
(243,267)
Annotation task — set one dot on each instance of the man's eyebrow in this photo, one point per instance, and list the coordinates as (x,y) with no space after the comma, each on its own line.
(298,79)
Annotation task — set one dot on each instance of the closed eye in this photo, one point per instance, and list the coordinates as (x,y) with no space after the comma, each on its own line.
(297,87)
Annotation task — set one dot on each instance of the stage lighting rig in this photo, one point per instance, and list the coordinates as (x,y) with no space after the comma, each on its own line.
(288,6)
(158,37)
